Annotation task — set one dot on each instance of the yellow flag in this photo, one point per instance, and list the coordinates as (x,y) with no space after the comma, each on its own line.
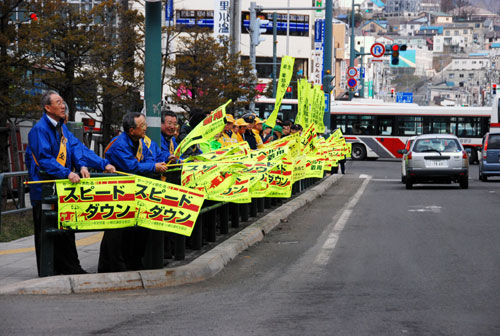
(97,203)
(286,72)
(214,123)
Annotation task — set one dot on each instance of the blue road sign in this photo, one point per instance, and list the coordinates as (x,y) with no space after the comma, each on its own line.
(362,72)
(327,102)
(352,82)
(404,97)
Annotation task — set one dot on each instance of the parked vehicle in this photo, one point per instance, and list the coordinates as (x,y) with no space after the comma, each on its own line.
(437,158)
(489,163)
(403,161)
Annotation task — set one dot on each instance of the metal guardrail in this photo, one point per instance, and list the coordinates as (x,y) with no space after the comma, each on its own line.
(13,192)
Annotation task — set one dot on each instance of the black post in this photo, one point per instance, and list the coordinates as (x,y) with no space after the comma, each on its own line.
(180,247)
(153,257)
(267,203)
(224,219)
(260,204)
(197,234)
(244,212)
(46,237)
(209,221)
(253,208)
(235,215)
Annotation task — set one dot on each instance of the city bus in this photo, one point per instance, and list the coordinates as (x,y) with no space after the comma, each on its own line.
(264,106)
(379,130)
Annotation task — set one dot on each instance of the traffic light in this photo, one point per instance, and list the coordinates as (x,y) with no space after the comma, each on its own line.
(395,49)
(256,30)
(328,84)
(33,17)
(494,89)
(392,92)
(289,92)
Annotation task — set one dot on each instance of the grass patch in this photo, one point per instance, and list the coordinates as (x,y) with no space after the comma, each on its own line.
(15,226)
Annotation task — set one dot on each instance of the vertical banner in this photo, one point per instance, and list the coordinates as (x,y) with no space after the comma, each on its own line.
(214,123)
(221,19)
(96,204)
(169,13)
(167,207)
(286,72)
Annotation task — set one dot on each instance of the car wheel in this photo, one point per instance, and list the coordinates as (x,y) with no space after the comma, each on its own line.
(483,178)
(464,182)
(403,179)
(358,152)
(409,183)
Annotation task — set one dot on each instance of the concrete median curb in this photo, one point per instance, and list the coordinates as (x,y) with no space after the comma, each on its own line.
(202,268)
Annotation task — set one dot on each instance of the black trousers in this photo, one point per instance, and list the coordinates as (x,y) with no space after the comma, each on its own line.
(65,254)
(122,250)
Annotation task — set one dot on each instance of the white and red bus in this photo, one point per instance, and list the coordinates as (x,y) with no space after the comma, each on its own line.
(379,130)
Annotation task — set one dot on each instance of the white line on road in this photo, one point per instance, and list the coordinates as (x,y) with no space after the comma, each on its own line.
(329,245)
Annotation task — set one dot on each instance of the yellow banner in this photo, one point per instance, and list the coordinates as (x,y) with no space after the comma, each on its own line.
(280,179)
(286,72)
(96,204)
(167,207)
(214,123)
(314,167)
(303,101)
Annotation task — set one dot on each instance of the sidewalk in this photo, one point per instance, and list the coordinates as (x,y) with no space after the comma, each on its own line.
(18,273)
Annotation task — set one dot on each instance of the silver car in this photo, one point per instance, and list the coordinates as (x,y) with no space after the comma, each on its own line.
(437,158)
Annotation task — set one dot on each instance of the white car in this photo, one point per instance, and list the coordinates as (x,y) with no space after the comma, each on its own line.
(437,158)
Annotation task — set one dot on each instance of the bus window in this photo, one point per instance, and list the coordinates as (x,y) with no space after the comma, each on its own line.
(339,121)
(469,127)
(385,125)
(366,124)
(353,125)
(409,126)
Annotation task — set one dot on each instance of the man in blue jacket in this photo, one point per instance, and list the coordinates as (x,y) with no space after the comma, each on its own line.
(123,249)
(53,149)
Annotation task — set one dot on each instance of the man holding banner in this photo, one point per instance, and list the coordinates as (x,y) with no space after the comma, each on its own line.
(123,249)
(53,149)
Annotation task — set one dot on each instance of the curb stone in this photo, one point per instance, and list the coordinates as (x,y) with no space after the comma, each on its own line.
(200,269)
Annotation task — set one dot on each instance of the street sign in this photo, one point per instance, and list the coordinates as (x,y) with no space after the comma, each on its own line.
(327,102)
(352,72)
(377,50)
(404,97)
(362,72)
(352,83)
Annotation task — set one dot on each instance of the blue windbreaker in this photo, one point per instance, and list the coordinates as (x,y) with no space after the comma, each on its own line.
(121,154)
(44,143)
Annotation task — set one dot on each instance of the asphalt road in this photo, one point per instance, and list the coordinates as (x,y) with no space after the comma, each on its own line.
(367,258)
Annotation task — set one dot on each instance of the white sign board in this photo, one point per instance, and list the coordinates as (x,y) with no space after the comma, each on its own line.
(317,64)
(221,18)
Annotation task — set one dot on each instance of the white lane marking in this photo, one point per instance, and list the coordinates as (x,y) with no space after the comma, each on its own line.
(329,245)
(429,208)
(386,180)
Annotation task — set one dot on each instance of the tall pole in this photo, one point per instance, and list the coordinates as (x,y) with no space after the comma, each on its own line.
(235,31)
(288,29)
(275,47)
(327,56)
(362,79)
(152,96)
(352,50)
(253,44)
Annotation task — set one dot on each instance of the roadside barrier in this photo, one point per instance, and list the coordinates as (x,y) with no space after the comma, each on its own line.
(213,220)
(12,194)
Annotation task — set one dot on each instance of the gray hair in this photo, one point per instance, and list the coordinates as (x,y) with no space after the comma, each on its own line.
(46,98)
(129,120)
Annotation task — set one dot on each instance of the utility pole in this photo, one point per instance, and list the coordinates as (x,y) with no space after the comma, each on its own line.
(235,32)
(152,97)
(352,53)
